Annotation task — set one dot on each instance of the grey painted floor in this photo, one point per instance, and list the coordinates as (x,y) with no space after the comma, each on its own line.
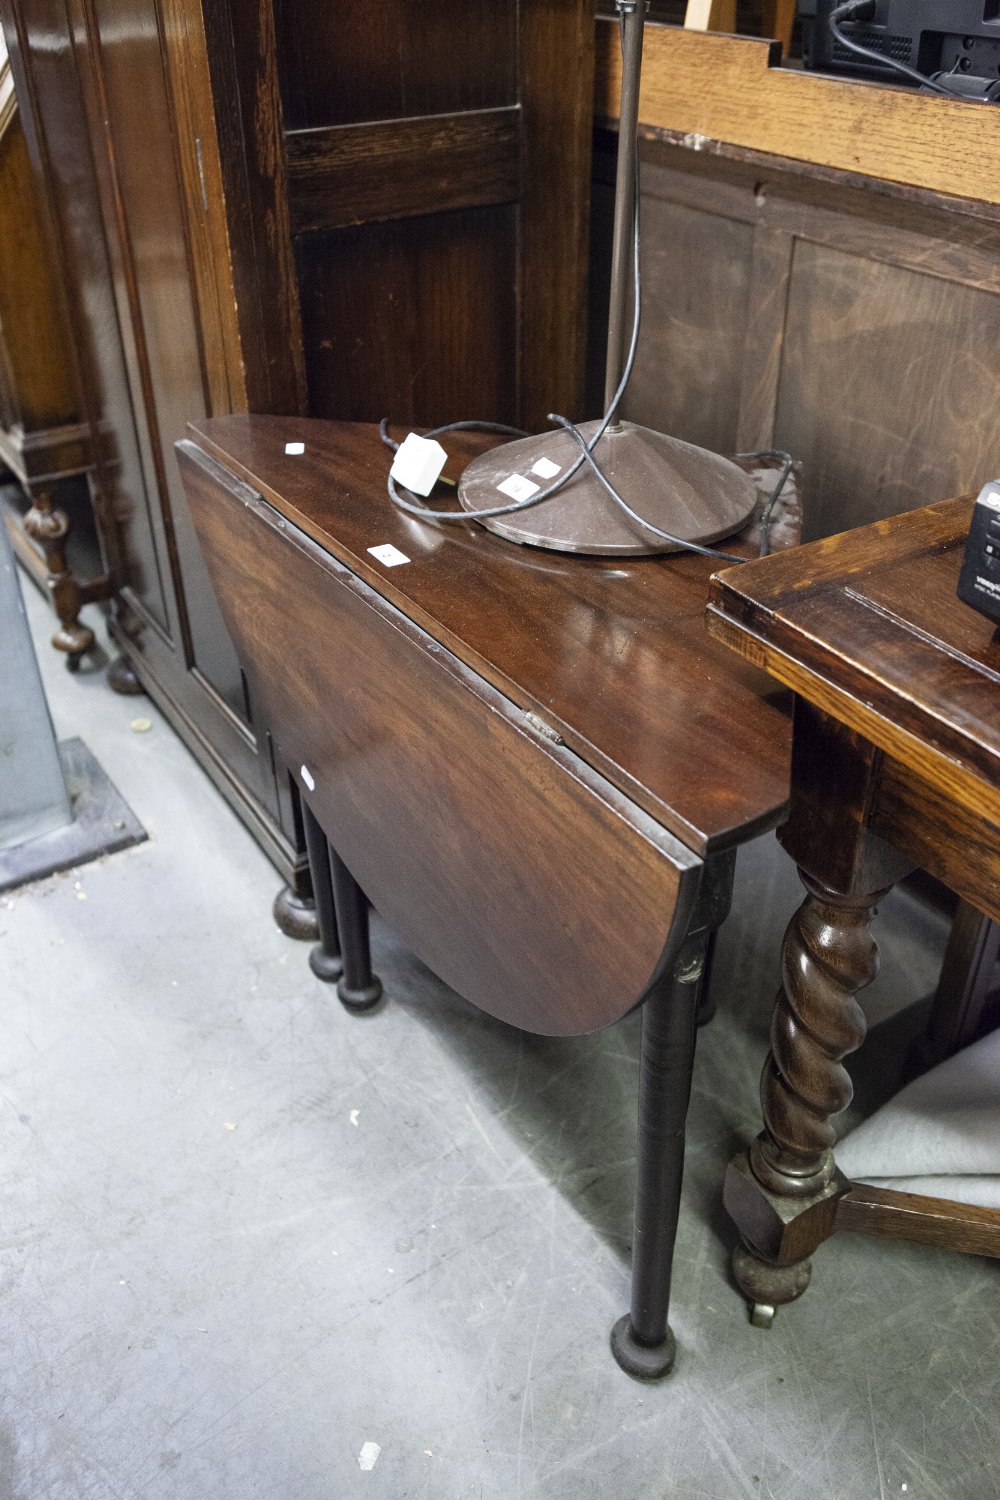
(243,1234)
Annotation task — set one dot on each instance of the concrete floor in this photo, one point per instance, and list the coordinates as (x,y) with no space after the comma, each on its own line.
(243,1234)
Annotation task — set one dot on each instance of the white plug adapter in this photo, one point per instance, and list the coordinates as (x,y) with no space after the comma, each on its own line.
(418,463)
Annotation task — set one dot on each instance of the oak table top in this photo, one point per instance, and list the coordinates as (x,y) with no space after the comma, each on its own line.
(611,654)
(867,627)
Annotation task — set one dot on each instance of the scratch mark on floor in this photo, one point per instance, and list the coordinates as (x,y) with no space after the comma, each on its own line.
(878,1456)
(482,1131)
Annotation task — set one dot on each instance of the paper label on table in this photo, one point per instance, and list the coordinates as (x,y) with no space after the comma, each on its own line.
(518,488)
(307,777)
(295,448)
(545,468)
(390,555)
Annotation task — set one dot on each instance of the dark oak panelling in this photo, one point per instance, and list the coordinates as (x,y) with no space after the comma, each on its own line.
(556,70)
(861,328)
(432,143)
(242,51)
(887,383)
(708,301)
(413,319)
(341,65)
(352,174)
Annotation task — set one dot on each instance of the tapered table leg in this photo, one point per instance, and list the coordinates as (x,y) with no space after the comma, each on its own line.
(325,959)
(358,988)
(642,1341)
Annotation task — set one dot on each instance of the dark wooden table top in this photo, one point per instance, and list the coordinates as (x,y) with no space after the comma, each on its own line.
(613,654)
(867,626)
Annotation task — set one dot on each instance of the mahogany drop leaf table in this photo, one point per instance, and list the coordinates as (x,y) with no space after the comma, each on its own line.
(537,767)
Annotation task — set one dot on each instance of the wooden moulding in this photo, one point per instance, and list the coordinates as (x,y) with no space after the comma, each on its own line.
(710,88)
(352,174)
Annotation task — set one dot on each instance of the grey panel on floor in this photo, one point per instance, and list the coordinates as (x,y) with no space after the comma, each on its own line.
(101,822)
(33,799)
(245,1233)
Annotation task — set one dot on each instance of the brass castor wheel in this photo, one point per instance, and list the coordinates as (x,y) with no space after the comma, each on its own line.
(766,1286)
(762,1314)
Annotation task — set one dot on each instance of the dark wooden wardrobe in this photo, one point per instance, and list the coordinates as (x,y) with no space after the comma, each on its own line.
(295,206)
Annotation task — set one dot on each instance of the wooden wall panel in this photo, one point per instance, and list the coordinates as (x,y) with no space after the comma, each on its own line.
(412,320)
(696,266)
(858,328)
(887,390)
(470,119)
(342,63)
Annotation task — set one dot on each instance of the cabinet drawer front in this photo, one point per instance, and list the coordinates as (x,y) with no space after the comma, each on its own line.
(522,877)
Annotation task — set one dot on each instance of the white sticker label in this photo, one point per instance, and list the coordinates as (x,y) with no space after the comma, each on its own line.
(295,448)
(518,488)
(390,555)
(545,468)
(307,777)
(368,1457)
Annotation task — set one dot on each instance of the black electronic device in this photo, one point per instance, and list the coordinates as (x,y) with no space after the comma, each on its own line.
(979,583)
(954,37)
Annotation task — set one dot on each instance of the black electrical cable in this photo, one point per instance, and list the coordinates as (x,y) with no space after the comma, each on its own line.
(787,463)
(666,536)
(864,10)
(500,427)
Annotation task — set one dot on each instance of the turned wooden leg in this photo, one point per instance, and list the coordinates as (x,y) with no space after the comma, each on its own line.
(49,527)
(325,959)
(358,988)
(642,1341)
(783,1193)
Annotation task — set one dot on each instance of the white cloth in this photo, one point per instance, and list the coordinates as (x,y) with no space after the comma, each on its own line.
(939,1135)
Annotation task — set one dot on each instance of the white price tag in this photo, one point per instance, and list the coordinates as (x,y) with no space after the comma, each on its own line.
(295,448)
(545,468)
(307,777)
(518,488)
(388,554)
